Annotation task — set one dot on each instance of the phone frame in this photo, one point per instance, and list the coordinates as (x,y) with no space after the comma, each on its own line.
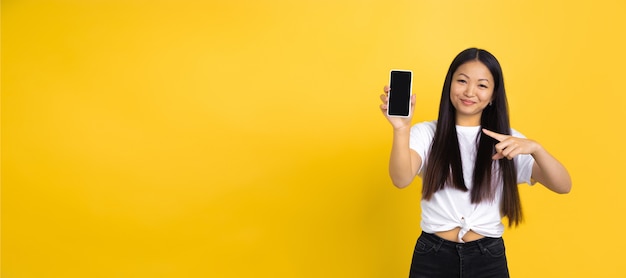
(391,91)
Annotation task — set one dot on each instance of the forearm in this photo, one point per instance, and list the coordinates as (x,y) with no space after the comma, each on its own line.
(551,173)
(402,166)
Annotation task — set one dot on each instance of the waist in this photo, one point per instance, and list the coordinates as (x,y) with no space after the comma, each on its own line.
(479,244)
(453,235)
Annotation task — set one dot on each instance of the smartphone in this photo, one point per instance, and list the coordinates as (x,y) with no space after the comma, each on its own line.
(400,83)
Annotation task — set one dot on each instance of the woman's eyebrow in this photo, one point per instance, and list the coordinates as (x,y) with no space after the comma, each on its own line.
(466,76)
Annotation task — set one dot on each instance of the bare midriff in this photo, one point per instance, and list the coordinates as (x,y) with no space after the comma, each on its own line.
(453,235)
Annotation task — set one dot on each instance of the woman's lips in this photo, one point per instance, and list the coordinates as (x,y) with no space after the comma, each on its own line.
(467,102)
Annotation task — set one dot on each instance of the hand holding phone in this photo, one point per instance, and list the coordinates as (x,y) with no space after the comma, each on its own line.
(400,83)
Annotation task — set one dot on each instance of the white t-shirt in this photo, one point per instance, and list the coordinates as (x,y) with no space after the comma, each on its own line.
(450,208)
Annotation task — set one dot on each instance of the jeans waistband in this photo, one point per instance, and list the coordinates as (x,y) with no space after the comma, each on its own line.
(436,240)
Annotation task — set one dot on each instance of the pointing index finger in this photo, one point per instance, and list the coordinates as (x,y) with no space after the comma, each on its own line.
(494,135)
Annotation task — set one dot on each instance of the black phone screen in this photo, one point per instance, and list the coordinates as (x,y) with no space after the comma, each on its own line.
(400,94)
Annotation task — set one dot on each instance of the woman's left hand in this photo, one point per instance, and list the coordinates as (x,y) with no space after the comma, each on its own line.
(546,169)
(510,146)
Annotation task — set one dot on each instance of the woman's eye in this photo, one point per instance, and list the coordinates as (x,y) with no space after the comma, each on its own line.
(483,86)
(461,81)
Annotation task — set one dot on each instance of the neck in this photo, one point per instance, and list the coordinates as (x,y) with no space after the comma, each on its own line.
(468,121)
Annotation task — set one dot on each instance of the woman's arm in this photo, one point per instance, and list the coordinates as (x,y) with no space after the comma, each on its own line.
(403,162)
(547,170)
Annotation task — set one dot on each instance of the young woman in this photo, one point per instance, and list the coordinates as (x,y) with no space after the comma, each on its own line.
(470,161)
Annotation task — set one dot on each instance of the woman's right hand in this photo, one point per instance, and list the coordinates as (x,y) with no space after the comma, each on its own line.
(396,122)
(403,162)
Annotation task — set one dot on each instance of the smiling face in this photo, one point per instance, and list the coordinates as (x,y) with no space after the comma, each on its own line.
(470,92)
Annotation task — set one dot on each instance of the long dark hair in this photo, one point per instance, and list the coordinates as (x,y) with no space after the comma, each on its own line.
(444,161)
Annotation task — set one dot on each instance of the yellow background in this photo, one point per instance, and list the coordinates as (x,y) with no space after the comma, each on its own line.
(243,138)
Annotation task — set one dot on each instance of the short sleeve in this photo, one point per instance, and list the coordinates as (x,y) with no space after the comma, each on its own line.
(421,138)
(524,164)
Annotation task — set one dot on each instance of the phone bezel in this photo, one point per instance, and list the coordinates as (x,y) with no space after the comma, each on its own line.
(410,92)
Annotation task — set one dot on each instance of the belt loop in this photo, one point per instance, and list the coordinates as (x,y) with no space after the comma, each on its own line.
(481,247)
(438,245)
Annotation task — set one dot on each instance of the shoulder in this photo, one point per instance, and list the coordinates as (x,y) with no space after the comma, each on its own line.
(427,127)
(421,136)
(516,133)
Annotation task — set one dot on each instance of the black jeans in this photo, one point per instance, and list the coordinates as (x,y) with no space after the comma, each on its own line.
(435,257)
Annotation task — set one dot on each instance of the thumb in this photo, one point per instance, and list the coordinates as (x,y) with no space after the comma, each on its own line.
(497,156)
